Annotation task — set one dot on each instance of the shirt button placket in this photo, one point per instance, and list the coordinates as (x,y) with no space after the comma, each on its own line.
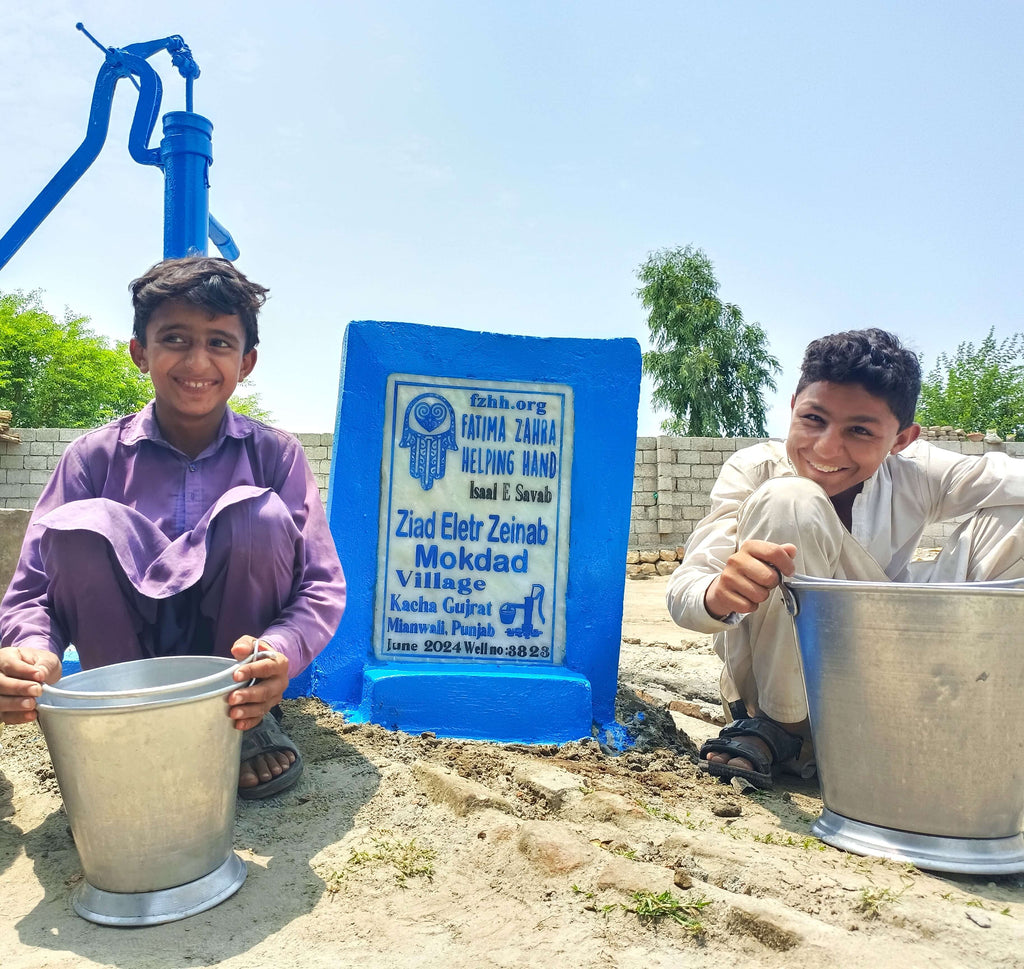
(192,492)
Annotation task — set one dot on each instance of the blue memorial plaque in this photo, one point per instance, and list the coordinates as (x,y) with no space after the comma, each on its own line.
(474,535)
(480,495)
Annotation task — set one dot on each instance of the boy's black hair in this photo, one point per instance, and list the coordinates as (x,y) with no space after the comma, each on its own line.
(213,284)
(872,358)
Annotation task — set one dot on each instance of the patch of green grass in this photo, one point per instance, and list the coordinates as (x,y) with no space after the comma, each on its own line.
(656,812)
(333,880)
(872,899)
(978,903)
(407,858)
(807,843)
(649,907)
(687,822)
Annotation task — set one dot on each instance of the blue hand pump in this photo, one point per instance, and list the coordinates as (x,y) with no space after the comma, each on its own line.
(185,153)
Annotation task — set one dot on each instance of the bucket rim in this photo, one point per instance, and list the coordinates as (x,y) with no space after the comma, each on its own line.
(792,586)
(155,692)
(798,581)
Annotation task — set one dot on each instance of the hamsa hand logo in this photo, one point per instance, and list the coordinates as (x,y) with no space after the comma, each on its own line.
(428,433)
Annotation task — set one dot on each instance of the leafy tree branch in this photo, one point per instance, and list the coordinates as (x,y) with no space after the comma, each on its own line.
(977,387)
(60,373)
(710,368)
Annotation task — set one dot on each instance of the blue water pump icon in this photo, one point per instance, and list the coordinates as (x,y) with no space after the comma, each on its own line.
(507,614)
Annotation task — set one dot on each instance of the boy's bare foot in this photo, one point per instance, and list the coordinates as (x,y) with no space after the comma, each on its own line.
(270,762)
(740,763)
(752,747)
(264,767)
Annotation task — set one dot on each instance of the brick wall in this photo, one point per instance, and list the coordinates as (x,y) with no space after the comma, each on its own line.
(26,467)
(672,481)
(672,477)
(318,448)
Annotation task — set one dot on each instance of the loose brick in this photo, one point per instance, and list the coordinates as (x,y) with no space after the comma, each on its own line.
(461,795)
(553,848)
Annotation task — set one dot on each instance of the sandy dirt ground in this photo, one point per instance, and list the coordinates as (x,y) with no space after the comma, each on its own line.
(405,851)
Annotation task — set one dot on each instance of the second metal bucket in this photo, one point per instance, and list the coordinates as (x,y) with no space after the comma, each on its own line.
(914,693)
(147,763)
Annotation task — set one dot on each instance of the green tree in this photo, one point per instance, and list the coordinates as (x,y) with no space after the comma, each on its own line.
(250,404)
(710,368)
(978,387)
(60,373)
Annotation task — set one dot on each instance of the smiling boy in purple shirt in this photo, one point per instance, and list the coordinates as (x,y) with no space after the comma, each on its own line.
(185,528)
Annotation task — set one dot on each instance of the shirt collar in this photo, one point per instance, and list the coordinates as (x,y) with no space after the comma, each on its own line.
(787,465)
(144,427)
(871,483)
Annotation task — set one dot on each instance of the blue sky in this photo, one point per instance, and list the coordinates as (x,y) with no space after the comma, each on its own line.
(507,166)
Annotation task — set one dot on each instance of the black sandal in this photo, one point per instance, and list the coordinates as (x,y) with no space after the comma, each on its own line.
(265,738)
(782,744)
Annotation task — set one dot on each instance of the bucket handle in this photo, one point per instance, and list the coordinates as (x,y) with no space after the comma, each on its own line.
(57,692)
(789,599)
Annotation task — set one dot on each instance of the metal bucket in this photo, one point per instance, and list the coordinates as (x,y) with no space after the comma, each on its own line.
(914,698)
(147,762)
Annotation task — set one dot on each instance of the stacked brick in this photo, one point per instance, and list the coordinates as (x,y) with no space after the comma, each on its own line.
(643,524)
(26,463)
(318,448)
(662,562)
(946,433)
(672,482)
(6,434)
(673,477)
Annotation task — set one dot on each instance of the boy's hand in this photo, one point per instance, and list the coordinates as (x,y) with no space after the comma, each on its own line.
(22,670)
(248,705)
(748,577)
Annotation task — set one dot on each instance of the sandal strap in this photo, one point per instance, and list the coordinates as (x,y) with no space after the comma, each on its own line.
(265,738)
(736,747)
(783,745)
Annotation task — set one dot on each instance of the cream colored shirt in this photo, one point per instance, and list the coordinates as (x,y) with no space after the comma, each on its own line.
(910,490)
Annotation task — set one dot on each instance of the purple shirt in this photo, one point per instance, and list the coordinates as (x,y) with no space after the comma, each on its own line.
(129,463)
